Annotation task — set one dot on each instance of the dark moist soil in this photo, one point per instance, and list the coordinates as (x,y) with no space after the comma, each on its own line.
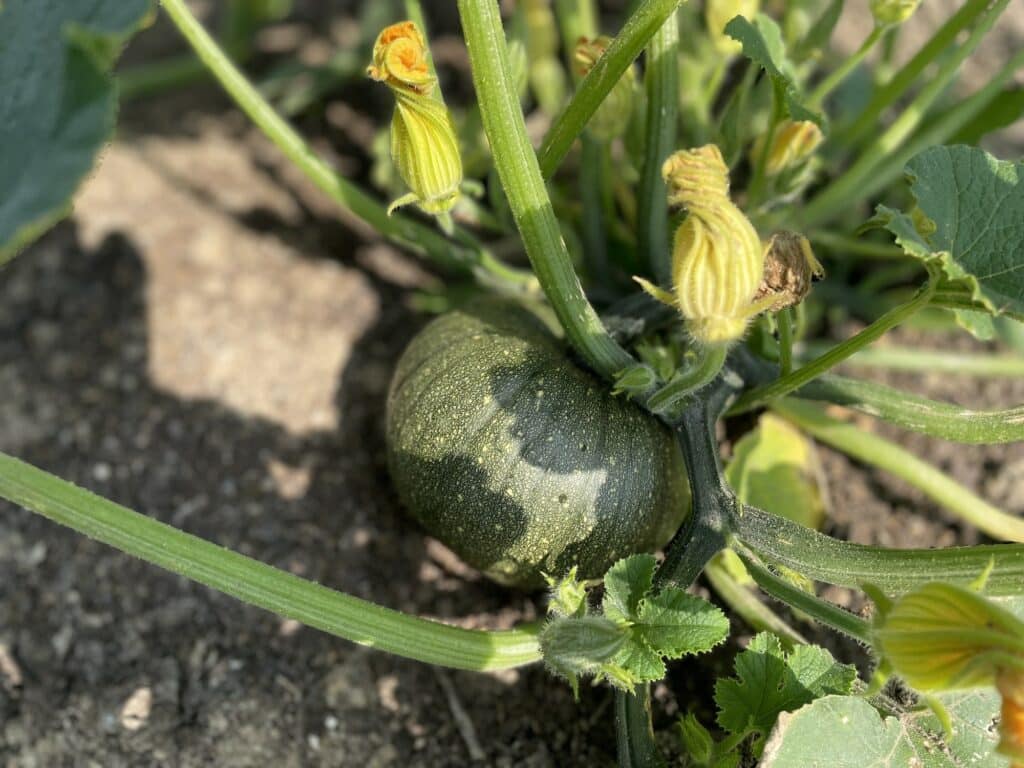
(204,341)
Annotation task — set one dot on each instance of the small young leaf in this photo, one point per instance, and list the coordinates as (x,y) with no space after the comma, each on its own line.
(762,44)
(696,739)
(57,104)
(568,596)
(625,585)
(769,682)
(675,624)
(970,221)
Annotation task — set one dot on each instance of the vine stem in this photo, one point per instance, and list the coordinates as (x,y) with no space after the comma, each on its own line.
(704,369)
(853,184)
(661,81)
(822,558)
(887,94)
(806,373)
(934,361)
(528,199)
(414,235)
(843,71)
(638,29)
(881,453)
(259,584)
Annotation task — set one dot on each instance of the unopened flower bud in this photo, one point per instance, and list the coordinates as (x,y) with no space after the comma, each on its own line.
(943,636)
(888,12)
(613,115)
(717,257)
(424,147)
(792,143)
(789,269)
(718,13)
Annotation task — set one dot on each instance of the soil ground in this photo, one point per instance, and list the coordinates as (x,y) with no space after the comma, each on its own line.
(206,342)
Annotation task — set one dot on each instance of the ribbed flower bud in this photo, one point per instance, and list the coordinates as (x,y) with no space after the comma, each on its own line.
(944,636)
(718,13)
(611,118)
(717,257)
(792,143)
(888,12)
(424,147)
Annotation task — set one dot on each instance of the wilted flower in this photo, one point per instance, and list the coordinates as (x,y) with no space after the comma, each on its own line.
(717,257)
(790,267)
(423,143)
(613,115)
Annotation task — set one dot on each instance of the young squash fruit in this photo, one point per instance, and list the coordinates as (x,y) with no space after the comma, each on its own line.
(521,461)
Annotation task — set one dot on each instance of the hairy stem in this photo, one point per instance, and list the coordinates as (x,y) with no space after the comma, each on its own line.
(661,81)
(638,29)
(258,584)
(520,176)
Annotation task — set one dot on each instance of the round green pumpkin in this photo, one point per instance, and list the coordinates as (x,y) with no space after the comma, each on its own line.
(521,461)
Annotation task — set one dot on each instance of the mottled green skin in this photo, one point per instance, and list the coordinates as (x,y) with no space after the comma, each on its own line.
(521,461)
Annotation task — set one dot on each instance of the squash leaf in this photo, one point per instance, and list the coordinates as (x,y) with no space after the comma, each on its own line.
(846,732)
(640,628)
(769,682)
(58,104)
(762,44)
(969,221)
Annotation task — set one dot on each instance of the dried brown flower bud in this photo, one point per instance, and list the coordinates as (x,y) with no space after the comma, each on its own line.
(789,269)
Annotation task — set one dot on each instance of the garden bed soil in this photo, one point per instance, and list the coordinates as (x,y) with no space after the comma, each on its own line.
(205,342)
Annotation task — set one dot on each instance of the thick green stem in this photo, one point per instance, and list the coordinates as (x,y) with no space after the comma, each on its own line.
(821,610)
(879,452)
(603,76)
(633,730)
(798,378)
(919,414)
(856,184)
(843,71)
(258,584)
(706,530)
(895,571)
(661,81)
(520,176)
(886,95)
(896,358)
(418,237)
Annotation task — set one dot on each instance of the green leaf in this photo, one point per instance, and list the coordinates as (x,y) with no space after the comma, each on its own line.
(762,44)
(847,732)
(625,585)
(675,623)
(969,221)
(1005,109)
(774,467)
(57,104)
(769,682)
(973,714)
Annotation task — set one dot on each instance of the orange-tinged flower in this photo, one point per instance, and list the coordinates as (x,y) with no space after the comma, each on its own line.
(400,59)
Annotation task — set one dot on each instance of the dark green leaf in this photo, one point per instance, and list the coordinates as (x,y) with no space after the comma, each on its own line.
(1005,109)
(57,104)
(769,682)
(675,624)
(762,44)
(970,222)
